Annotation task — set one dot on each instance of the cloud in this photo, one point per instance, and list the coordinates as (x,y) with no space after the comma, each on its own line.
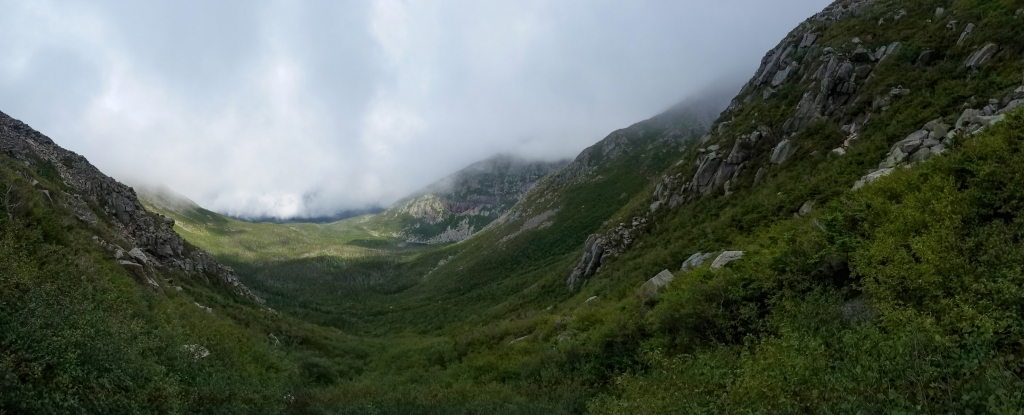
(306,108)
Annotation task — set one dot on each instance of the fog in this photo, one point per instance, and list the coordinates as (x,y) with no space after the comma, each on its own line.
(306,108)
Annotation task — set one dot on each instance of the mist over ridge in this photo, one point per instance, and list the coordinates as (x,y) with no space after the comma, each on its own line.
(306,110)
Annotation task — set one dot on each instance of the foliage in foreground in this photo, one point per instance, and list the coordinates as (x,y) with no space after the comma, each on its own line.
(907,298)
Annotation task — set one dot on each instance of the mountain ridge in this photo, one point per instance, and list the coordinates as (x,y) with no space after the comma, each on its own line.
(153,236)
(844,236)
(459,205)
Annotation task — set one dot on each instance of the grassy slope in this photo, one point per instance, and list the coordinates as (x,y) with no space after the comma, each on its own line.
(78,335)
(906,297)
(300,268)
(777,332)
(760,336)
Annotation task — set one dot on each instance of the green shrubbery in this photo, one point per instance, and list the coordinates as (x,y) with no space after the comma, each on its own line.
(904,296)
(77,335)
(923,316)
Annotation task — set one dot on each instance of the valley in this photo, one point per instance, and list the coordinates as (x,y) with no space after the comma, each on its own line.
(842,236)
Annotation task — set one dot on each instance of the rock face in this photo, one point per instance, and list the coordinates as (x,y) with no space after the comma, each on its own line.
(783,151)
(155,244)
(672,130)
(456,207)
(936,137)
(599,248)
(694,261)
(839,82)
(725,258)
(982,56)
(649,290)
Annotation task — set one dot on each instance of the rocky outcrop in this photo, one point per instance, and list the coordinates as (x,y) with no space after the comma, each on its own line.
(155,245)
(468,200)
(982,56)
(694,261)
(649,290)
(833,80)
(600,247)
(725,258)
(784,150)
(935,137)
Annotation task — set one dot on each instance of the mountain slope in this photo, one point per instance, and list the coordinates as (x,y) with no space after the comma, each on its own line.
(519,256)
(457,206)
(858,208)
(147,239)
(826,310)
(104,309)
(843,300)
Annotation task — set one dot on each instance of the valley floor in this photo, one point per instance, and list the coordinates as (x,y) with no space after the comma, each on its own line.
(871,174)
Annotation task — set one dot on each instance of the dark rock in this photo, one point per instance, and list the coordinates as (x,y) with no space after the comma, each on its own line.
(966,117)
(845,71)
(926,58)
(861,72)
(593,250)
(783,74)
(861,55)
(759,175)
(1012,105)
(706,172)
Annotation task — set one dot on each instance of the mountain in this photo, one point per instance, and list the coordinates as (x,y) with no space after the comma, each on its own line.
(459,205)
(844,236)
(141,241)
(105,309)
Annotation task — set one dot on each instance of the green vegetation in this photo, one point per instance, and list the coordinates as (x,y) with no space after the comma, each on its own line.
(79,336)
(906,299)
(903,296)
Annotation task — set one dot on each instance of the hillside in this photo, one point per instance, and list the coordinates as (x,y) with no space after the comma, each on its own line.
(845,236)
(461,204)
(105,309)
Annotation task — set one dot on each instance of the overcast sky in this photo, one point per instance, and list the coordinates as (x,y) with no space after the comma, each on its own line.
(295,108)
